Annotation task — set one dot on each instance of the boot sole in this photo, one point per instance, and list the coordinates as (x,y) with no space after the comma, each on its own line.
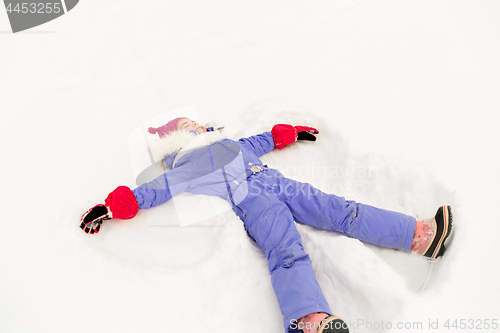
(444,231)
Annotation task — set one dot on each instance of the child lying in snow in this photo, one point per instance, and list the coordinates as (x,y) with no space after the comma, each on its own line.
(205,162)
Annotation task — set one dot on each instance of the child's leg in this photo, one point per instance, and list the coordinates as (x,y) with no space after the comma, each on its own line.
(270,223)
(329,212)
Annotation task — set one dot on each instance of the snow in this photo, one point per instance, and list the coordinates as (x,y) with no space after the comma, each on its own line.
(405,95)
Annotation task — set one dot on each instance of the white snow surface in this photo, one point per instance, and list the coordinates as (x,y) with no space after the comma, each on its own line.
(405,95)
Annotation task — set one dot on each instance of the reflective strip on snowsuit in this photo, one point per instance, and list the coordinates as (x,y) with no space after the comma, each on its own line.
(268,204)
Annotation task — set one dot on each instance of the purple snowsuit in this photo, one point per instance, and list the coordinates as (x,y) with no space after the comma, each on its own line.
(268,204)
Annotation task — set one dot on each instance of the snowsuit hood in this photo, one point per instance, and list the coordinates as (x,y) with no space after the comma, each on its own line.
(170,147)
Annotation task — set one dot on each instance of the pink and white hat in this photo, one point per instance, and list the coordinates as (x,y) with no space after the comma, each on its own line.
(166,129)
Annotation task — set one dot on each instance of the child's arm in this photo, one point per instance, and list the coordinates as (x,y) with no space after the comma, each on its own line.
(124,203)
(259,144)
(280,136)
(163,188)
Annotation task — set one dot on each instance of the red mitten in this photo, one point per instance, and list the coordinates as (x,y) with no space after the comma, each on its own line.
(284,134)
(120,204)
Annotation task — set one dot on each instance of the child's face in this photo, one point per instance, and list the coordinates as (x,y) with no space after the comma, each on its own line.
(189,125)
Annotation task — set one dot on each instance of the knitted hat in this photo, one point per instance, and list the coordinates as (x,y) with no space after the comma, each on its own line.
(166,129)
